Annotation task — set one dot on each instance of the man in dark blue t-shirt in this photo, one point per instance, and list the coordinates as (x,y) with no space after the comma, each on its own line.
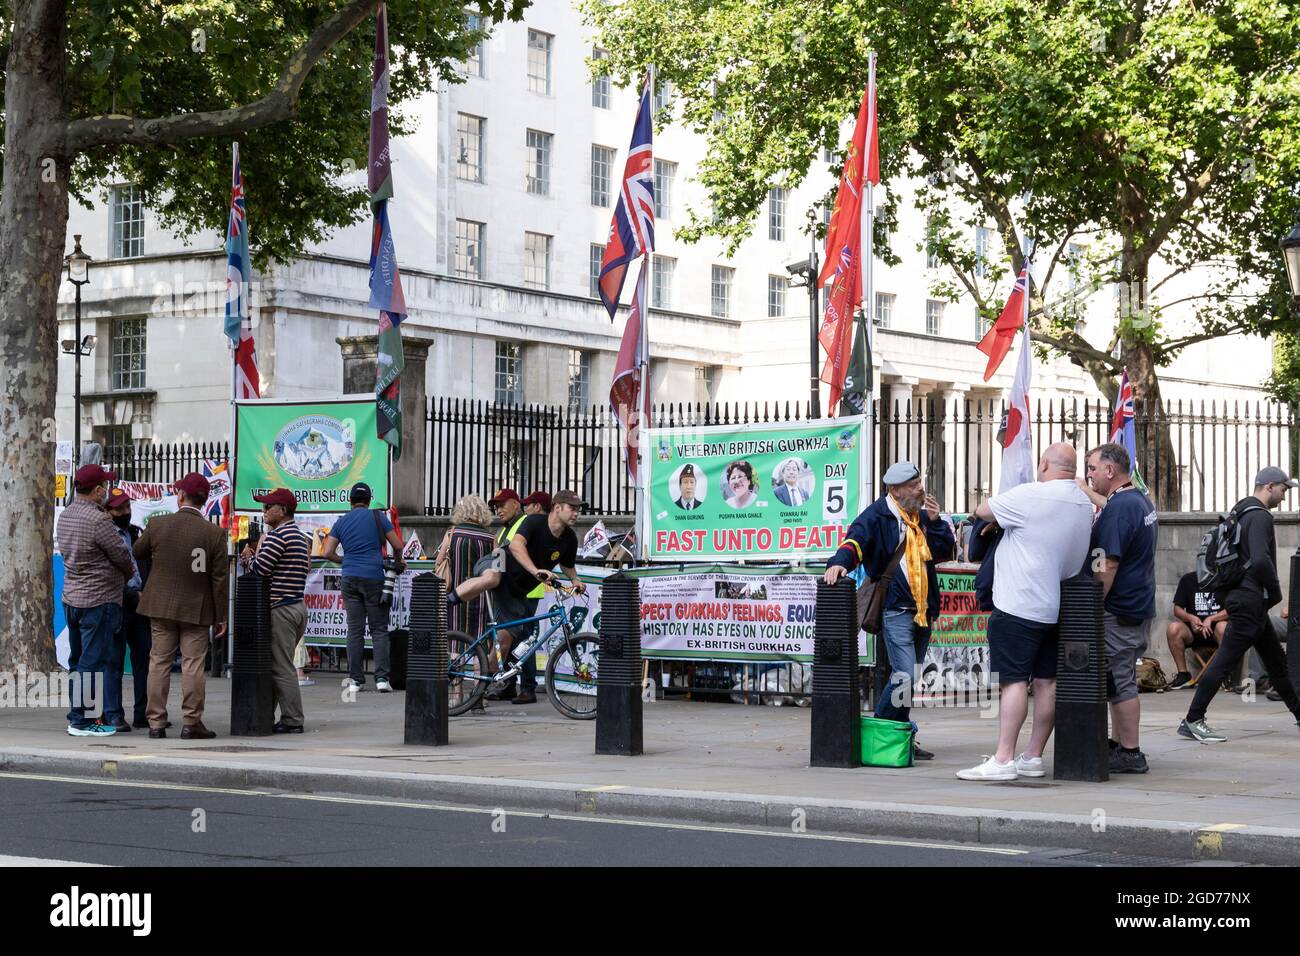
(1123,558)
(362,533)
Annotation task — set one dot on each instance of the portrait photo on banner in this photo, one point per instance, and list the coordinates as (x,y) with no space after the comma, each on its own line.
(739,485)
(688,486)
(793,482)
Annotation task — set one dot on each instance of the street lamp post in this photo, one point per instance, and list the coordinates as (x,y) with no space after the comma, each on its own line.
(78,265)
(805,271)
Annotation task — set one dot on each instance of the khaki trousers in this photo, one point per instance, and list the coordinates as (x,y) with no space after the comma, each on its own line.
(287,626)
(193,642)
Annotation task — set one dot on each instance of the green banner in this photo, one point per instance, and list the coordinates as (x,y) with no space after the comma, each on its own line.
(760,491)
(318,450)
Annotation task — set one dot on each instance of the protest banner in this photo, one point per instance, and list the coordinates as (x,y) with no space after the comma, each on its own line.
(318,450)
(774,491)
(958,655)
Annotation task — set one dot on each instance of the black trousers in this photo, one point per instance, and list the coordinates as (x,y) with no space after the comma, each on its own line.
(1248,626)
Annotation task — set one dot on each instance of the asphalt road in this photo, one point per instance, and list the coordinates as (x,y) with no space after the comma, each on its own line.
(105,823)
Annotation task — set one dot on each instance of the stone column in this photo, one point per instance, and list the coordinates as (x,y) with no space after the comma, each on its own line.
(955,495)
(360,359)
(900,428)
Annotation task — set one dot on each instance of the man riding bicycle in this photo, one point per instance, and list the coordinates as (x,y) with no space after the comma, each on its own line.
(539,543)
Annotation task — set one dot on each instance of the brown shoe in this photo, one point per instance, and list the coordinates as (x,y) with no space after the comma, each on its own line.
(196,732)
(527,697)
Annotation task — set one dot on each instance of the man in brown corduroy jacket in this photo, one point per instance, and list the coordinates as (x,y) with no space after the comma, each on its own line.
(184,596)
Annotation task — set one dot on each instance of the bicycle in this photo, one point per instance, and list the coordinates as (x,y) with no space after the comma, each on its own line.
(571,662)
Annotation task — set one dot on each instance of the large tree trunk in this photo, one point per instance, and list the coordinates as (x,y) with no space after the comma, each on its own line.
(33,221)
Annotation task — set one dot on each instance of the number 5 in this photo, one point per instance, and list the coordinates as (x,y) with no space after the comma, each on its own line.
(834,499)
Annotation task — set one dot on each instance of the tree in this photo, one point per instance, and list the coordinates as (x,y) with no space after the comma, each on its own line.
(1169,130)
(155,93)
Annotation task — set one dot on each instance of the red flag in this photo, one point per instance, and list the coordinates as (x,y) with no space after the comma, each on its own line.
(836,334)
(846,218)
(625,391)
(997,341)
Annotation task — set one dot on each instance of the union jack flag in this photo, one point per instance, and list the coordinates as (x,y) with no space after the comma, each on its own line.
(632,230)
(1122,428)
(239,327)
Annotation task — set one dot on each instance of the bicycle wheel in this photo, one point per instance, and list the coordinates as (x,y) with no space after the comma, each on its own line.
(571,676)
(468,662)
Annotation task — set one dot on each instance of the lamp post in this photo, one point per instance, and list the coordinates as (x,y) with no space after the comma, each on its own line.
(78,265)
(805,270)
(1291,258)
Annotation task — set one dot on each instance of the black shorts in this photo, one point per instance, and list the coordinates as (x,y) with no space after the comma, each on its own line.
(507,606)
(1020,649)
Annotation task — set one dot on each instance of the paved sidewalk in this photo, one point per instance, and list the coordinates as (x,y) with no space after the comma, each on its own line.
(737,764)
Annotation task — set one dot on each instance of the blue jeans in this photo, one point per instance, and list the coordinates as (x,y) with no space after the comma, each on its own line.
(136,638)
(905,645)
(93,629)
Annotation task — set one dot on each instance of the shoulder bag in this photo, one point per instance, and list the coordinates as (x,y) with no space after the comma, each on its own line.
(872,594)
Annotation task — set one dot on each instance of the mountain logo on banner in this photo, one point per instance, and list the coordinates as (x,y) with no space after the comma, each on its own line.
(314,447)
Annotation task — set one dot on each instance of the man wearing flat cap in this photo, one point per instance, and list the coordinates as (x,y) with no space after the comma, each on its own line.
(184,596)
(903,523)
(686,482)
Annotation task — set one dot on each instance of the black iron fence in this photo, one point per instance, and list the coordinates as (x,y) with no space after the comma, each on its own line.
(161,464)
(1194,456)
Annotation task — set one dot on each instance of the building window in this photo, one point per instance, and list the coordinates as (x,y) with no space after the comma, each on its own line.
(885,310)
(128,343)
(663,96)
(539,61)
(602,163)
(706,383)
(469,249)
(720,298)
(579,379)
(469,157)
(537,260)
(933,317)
(983,237)
(1074,266)
(776,214)
(661,282)
(828,155)
(931,243)
(128,222)
(981,324)
(539,163)
(664,173)
(595,257)
(473,65)
(600,84)
(509,374)
(776,290)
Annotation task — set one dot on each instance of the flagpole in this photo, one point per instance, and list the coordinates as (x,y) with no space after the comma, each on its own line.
(643,392)
(869,283)
(231,523)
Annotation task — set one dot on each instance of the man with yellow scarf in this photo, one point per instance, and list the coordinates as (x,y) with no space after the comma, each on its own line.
(903,514)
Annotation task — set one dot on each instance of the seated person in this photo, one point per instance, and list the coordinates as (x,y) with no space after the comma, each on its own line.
(1198,621)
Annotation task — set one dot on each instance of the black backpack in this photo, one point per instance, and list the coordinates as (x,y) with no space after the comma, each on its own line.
(1220,565)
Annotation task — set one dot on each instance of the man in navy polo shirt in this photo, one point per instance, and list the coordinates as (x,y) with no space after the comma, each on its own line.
(1122,557)
(362,533)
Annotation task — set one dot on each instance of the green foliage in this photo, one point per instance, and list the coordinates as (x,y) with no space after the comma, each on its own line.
(148,60)
(1173,126)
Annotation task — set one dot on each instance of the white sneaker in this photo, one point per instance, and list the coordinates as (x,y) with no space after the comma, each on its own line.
(383,687)
(1030,766)
(990,769)
(355,684)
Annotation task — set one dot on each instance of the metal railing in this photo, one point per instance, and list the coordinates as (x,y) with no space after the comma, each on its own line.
(160,463)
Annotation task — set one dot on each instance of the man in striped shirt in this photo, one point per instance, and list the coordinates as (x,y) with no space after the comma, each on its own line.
(284,555)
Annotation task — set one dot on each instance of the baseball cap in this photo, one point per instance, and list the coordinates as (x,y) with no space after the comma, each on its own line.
(116,498)
(90,476)
(567,498)
(1275,476)
(280,496)
(194,485)
(538,498)
(360,492)
(900,472)
(504,495)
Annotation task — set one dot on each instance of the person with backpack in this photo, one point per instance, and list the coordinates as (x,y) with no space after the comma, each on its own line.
(1238,560)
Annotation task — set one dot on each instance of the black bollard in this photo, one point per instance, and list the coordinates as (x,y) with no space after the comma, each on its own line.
(618,670)
(427,667)
(1081,750)
(1293,625)
(836,699)
(399,641)
(252,698)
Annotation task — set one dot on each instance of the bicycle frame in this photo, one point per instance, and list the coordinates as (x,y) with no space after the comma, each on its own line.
(557,614)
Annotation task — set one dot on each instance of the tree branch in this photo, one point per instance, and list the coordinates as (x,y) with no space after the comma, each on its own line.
(1078,350)
(70,137)
(1167,349)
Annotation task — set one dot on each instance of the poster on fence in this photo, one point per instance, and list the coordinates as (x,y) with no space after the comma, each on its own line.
(327,619)
(318,450)
(958,656)
(773,491)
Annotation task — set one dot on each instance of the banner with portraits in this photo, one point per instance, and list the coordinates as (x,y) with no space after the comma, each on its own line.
(770,491)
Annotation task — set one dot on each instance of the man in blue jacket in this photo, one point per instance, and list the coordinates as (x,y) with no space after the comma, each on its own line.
(904,515)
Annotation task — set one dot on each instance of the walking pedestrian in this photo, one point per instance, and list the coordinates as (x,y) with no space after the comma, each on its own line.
(1247,605)
(133,637)
(284,555)
(1123,557)
(184,597)
(96,565)
(1046,526)
(904,519)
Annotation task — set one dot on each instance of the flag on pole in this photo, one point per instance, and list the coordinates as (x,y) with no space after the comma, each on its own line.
(239,325)
(857,383)
(1122,428)
(843,262)
(632,229)
(997,341)
(625,393)
(1017,441)
(385,279)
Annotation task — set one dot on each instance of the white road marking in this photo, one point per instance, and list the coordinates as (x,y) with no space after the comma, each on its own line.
(39,861)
